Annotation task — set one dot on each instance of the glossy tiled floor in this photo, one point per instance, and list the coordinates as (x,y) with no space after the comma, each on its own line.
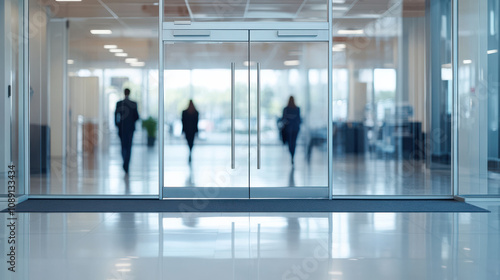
(273,246)
(352,174)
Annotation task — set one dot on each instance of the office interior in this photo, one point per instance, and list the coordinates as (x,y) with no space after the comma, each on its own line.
(398,98)
(380,115)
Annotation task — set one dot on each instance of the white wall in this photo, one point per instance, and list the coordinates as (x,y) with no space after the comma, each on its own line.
(57,46)
(83,101)
(39,103)
(472,97)
(5,80)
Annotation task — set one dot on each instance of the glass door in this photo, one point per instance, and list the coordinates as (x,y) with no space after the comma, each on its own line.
(289,114)
(246,114)
(206,149)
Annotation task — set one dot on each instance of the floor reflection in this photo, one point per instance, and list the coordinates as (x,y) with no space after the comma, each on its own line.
(352,174)
(257,245)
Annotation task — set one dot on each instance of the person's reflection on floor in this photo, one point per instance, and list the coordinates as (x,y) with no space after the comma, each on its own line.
(291,178)
(293,233)
(127,232)
(190,219)
(126,180)
(190,125)
(189,179)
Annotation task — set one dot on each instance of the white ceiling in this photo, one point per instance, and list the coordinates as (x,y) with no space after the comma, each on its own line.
(135,22)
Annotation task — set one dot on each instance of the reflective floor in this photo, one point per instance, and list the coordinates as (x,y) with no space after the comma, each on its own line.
(102,173)
(256,246)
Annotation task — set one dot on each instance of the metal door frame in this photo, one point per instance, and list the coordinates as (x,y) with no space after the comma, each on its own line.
(196,31)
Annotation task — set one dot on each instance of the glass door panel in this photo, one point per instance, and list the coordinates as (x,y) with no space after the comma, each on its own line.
(214,75)
(281,70)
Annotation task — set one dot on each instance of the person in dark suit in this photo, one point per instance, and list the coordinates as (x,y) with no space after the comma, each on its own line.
(125,117)
(190,125)
(291,125)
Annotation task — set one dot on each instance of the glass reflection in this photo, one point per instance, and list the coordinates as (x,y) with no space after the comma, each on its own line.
(392,99)
(253,245)
(76,79)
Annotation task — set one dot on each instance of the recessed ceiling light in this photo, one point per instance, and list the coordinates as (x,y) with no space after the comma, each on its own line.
(115,50)
(71,61)
(110,46)
(131,60)
(291,62)
(351,32)
(467,61)
(121,54)
(137,64)
(100,31)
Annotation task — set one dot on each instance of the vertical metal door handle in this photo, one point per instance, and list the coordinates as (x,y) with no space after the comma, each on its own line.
(258,115)
(232,115)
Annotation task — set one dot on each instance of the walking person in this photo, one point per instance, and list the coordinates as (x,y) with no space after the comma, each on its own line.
(190,125)
(126,115)
(291,125)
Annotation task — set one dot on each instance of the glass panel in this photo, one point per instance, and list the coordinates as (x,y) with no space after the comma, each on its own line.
(252,10)
(392,98)
(293,136)
(201,72)
(478,98)
(82,58)
(10,82)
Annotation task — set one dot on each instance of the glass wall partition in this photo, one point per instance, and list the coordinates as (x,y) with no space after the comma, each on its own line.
(12,101)
(392,98)
(246,143)
(478,98)
(83,57)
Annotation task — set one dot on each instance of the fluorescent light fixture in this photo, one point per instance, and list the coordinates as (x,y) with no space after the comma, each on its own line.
(131,60)
(137,64)
(116,50)
(123,264)
(121,54)
(467,61)
(110,46)
(338,2)
(492,51)
(100,31)
(71,61)
(340,8)
(446,74)
(339,47)
(351,32)
(291,62)
(251,63)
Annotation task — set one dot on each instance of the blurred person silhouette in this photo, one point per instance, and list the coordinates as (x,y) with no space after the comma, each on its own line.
(126,115)
(190,125)
(291,125)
